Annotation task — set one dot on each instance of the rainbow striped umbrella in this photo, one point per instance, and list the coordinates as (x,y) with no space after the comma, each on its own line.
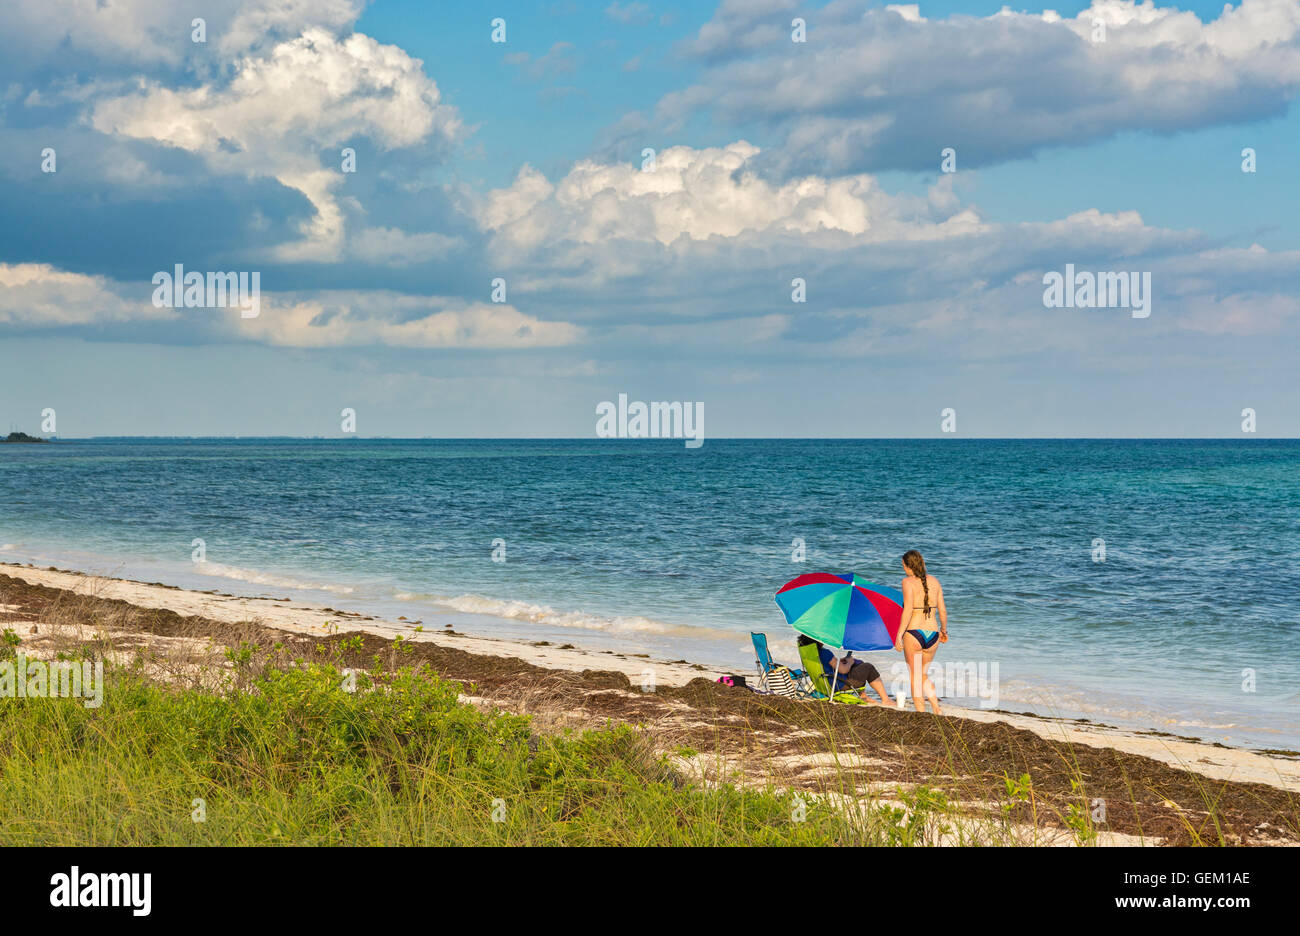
(844,611)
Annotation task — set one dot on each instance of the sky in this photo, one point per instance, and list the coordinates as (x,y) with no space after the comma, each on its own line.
(745,205)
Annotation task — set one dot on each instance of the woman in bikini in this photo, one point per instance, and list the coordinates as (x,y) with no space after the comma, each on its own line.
(918,637)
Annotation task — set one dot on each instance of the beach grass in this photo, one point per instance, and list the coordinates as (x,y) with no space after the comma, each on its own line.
(295,757)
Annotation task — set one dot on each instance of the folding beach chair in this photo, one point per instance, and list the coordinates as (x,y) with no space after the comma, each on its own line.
(764,657)
(765,663)
(811,658)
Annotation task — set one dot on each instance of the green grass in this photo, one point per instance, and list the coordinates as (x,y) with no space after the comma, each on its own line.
(290,757)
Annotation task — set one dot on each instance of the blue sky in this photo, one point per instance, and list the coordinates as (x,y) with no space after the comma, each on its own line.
(774,160)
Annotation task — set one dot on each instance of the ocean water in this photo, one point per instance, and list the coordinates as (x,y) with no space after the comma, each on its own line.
(1189,625)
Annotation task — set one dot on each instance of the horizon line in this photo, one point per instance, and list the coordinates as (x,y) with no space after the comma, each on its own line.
(668,439)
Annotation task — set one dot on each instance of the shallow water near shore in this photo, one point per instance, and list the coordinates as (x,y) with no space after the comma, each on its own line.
(646,547)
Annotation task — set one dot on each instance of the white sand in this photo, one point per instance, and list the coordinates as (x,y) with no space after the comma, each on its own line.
(312,619)
(1206,759)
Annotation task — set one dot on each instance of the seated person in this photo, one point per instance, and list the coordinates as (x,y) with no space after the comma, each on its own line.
(848,672)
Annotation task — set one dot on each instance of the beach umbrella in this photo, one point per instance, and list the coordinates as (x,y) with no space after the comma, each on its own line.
(844,611)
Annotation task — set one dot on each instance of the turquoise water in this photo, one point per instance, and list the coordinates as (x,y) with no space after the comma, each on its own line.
(647,547)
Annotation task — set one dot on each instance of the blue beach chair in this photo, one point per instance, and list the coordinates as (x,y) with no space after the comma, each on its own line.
(764,662)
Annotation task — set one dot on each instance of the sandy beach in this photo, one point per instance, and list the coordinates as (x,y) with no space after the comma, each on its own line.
(746,425)
(713,732)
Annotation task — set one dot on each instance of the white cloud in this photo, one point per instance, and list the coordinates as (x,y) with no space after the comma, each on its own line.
(700,253)
(1249,313)
(356,318)
(691,193)
(886,88)
(703,213)
(280,111)
(255,22)
(155,32)
(39,295)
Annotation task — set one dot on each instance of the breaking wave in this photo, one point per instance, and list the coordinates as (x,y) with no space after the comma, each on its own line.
(254,577)
(544,615)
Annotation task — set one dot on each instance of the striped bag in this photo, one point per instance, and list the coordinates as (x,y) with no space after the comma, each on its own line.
(778,682)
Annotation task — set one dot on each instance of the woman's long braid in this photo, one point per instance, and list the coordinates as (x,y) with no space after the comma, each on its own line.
(916,563)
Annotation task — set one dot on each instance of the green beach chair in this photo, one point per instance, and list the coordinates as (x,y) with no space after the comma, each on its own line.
(812,662)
